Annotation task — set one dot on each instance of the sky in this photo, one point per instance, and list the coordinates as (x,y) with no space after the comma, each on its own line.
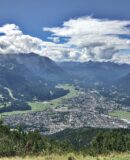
(67,30)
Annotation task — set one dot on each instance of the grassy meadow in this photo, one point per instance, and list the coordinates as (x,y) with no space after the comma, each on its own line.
(124,156)
(121,115)
(40,106)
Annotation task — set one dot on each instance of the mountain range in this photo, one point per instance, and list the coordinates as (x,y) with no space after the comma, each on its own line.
(28,77)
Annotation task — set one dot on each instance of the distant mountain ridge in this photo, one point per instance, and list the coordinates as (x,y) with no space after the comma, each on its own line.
(89,73)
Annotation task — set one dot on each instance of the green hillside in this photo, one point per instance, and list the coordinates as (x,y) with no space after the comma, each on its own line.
(83,141)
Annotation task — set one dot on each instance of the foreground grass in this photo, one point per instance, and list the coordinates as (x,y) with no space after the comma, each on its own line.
(123,156)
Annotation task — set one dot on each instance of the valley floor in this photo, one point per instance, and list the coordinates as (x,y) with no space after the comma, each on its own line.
(123,156)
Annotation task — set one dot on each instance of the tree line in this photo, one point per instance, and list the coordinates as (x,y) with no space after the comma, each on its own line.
(84,140)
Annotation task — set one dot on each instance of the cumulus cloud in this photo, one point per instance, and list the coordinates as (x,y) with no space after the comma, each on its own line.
(94,39)
(81,39)
(14,41)
(10,29)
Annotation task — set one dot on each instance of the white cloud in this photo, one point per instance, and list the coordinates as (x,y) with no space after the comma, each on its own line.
(79,39)
(14,41)
(10,29)
(88,25)
(54,39)
(94,39)
(121,58)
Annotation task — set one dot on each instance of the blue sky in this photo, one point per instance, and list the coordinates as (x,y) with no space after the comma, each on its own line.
(78,30)
(32,15)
